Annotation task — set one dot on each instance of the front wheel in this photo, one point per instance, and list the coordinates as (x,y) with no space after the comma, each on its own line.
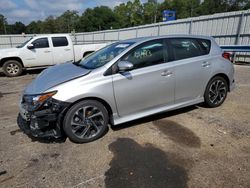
(86,121)
(12,68)
(216,92)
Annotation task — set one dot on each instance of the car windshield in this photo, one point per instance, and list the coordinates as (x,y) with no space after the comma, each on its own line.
(23,44)
(103,56)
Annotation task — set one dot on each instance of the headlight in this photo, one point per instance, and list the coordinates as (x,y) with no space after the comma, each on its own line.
(35,101)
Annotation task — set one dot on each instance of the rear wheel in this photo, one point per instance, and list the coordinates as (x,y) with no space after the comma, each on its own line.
(216,92)
(86,121)
(12,68)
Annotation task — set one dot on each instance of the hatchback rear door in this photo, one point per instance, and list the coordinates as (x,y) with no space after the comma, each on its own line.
(192,67)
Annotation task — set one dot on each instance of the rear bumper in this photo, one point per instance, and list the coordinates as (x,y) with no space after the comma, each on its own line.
(44,122)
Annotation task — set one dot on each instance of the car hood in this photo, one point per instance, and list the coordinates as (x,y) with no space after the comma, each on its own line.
(8,51)
(53,76)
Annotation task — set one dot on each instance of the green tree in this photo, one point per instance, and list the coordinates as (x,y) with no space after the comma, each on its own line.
(67,22)
(48,25)
(121,13)
(34,27)
(135,12)
(247,5)
(16,28)
(3,24)
(235,5)
(150,11)
(99,18)
(129,14)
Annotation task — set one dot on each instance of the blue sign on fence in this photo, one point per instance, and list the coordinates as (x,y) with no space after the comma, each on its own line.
(168,15)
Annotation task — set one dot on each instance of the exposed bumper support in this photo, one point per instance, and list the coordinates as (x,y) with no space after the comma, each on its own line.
(44,122)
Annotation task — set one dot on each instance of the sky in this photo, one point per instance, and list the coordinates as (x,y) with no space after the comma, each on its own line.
(30,10)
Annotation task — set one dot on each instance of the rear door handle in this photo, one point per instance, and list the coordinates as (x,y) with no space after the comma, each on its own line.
(67,49)
(205,64)
(166,73)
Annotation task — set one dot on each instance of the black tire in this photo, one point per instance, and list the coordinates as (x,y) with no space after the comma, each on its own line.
(86,121)
(12,68)
(216,92)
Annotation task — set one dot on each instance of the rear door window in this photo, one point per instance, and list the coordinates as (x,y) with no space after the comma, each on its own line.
(59,41)
(183,48)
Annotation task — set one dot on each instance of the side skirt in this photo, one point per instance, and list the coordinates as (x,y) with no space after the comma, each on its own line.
(119,120)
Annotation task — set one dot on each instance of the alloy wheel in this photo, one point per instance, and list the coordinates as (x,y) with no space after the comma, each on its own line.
(217,92)
(87,122)
(12,68)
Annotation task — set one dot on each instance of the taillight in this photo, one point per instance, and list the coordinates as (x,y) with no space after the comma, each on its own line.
(227,56)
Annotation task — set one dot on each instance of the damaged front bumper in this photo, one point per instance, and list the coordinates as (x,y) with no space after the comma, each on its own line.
(43,122)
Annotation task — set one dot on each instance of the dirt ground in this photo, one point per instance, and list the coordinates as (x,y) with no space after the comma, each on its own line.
(191,147)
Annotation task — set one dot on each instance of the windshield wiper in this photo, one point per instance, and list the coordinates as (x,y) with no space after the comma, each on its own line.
(76,63)
(79,65)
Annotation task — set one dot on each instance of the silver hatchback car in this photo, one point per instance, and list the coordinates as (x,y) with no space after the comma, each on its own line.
(124,81)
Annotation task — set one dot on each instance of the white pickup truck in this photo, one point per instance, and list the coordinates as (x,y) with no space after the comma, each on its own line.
(42,51)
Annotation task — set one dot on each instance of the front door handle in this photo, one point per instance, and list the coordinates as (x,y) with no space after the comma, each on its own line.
(67,49)
(47,51)
(166,73)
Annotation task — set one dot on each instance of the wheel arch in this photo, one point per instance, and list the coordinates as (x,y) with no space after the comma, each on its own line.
(2,61)
(103,102)
(223,75)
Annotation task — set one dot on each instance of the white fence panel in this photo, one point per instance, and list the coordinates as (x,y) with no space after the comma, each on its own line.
(112,35)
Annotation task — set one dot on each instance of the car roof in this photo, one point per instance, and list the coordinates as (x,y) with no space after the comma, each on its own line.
(52,35)
(142,39)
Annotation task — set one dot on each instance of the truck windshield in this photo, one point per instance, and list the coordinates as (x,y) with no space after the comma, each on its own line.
(103,56)
(23,44)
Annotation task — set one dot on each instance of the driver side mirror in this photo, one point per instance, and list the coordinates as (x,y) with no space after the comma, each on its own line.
(30,46)
(124,66)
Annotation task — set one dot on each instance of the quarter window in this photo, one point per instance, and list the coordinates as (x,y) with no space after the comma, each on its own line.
(41,43)
(59,41)
(185,48)
(146,54)
(205,45)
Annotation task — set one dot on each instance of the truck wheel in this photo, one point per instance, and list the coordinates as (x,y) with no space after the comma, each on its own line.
(12,68)
(86,121)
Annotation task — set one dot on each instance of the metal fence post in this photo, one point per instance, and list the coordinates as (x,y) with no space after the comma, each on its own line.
(190,27)
(158,32)
(239,29)
(238,34)
(11,45)
(118,34)
(136,32)
(75,38)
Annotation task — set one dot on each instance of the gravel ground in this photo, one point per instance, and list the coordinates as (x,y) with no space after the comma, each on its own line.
(191,147)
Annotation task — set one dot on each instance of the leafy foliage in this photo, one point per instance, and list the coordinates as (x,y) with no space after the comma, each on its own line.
(132,13)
